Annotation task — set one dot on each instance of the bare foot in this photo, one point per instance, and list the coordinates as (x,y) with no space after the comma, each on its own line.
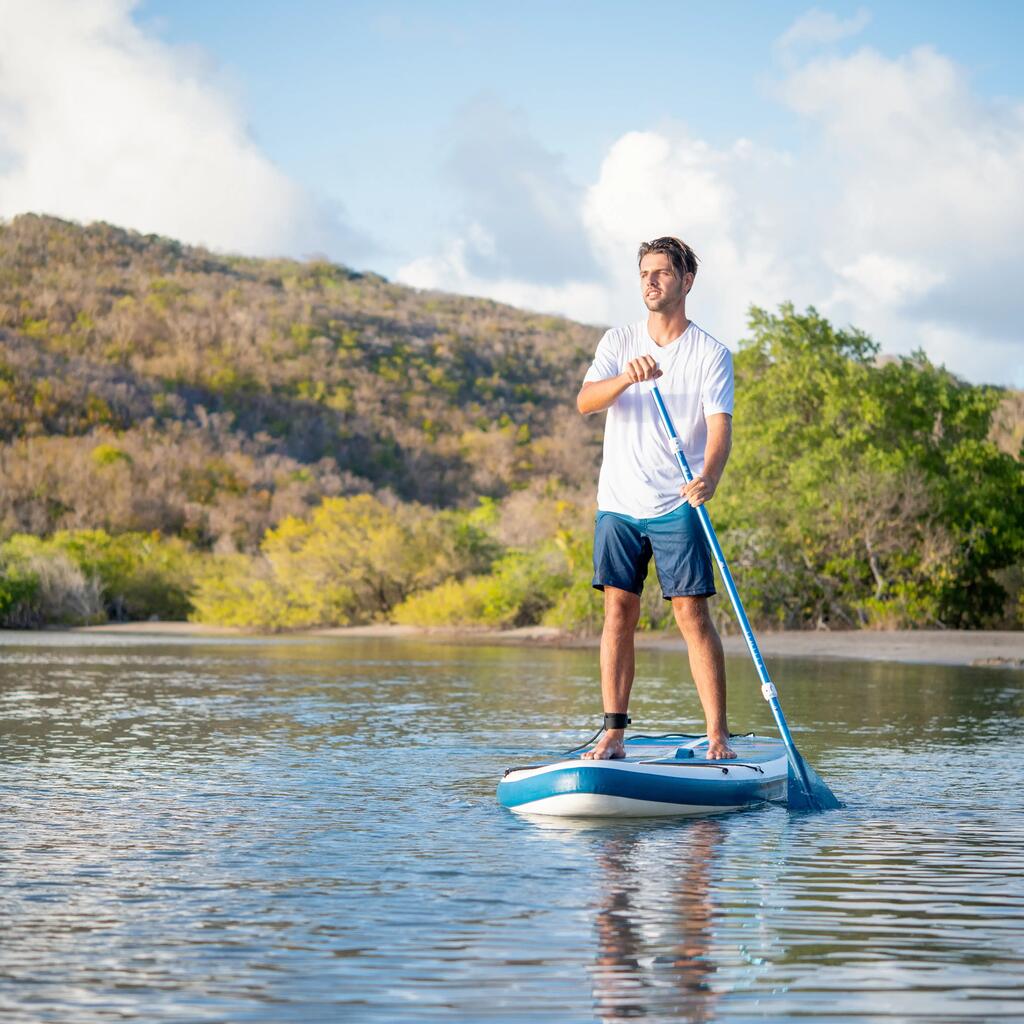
(609,747)
(719,749)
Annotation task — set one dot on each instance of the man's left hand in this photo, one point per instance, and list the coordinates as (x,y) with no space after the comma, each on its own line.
(698,491)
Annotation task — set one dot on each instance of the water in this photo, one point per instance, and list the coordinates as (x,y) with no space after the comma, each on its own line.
(296,830)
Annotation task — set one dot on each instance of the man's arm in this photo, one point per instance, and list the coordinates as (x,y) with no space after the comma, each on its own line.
(598,395)
(716,454)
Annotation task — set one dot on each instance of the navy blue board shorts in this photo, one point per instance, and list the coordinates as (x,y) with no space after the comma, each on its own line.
(623,547)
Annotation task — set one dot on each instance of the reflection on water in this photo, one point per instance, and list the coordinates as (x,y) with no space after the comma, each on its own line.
(297,830)
(653,948)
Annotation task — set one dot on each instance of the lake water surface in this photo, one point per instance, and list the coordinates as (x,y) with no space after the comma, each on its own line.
(306,830)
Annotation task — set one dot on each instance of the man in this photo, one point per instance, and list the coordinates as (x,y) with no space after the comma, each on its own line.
(642,510)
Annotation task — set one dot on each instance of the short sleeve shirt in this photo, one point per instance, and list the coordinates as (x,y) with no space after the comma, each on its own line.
(639,473)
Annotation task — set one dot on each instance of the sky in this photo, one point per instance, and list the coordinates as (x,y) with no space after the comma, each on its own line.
(865,159)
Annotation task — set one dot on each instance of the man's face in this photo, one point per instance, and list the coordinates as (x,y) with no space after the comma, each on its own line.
(661,287)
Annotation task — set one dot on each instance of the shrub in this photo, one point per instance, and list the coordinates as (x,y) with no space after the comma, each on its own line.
(351,561)
(520,589)
(141,575)
(109,455)
(40,585)
(88,576)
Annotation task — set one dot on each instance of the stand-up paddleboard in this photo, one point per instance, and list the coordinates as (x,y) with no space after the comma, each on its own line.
(659,776)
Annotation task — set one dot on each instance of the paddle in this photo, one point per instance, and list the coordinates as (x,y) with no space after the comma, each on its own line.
(806,792)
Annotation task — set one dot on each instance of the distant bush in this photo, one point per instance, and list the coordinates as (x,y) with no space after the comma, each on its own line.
(352,560)
(451,603)
(578,607)
(240,590)
(109,455)
(520,588)
(141,575)
(19,590)
(85,577)
(41,585)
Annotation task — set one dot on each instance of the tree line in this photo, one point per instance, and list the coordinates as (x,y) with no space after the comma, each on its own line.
(279,444)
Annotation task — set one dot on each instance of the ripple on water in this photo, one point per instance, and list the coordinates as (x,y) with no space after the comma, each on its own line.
(266,831)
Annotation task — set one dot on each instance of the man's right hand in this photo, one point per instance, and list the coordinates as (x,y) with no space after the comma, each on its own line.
(597,395)
(642,368)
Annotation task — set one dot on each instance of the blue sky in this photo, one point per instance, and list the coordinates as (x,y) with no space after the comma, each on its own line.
(861,157)
(360,100)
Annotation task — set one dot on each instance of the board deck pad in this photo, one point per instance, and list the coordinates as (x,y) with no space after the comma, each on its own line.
(755,749)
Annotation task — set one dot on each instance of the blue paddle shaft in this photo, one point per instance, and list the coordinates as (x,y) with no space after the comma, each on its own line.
(767,686)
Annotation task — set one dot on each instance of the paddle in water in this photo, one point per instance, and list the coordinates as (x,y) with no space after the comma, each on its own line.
(805,790)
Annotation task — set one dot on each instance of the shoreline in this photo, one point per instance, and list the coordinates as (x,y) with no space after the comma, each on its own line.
(988,648)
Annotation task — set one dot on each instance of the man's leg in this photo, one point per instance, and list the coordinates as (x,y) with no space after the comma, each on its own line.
(707,663)
(621,614)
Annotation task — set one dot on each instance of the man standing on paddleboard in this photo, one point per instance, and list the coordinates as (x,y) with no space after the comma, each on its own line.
(642,510)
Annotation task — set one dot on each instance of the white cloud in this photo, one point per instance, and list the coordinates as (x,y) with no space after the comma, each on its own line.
(819,28)
(888,280)
(930,211)
(506,179)
(98,121)
(902,216)
(450,271)
(520,236)
(654,184)
(922,159)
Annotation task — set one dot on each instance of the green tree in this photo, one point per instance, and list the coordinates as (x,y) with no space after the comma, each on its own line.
(864,494)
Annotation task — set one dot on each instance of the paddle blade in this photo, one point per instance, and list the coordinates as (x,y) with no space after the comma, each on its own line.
(813,795)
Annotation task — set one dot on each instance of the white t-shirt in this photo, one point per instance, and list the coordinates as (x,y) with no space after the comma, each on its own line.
(639,473)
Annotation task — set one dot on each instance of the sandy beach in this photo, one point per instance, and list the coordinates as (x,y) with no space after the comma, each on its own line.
(1003,649)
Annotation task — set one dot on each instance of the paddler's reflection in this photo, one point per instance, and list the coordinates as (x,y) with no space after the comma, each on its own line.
(654,928)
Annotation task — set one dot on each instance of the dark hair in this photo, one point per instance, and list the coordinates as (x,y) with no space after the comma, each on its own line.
(683,258)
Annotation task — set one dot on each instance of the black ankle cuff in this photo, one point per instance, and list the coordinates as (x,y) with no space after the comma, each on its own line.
(615,720)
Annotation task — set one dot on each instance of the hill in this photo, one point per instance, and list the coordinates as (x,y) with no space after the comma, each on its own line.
(145,385)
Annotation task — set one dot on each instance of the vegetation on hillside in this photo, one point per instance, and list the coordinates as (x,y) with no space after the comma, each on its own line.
(279,444)
(240,391)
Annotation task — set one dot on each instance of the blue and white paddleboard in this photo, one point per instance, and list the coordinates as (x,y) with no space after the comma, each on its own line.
(659,776)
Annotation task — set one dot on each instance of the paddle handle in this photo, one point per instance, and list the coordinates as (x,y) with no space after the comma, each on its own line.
(768,690)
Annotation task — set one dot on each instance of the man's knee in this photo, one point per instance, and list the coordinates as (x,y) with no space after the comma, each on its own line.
(692,614)
(621,610)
